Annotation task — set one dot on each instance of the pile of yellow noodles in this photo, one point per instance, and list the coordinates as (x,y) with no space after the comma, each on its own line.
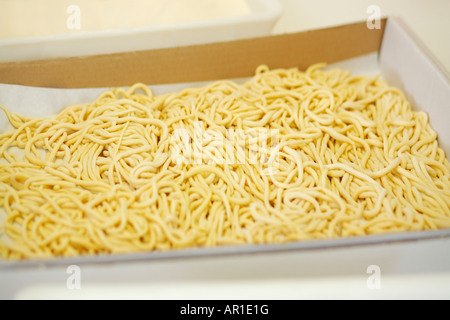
(352,159)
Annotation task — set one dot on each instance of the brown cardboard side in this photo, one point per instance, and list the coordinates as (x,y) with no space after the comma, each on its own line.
(198,63)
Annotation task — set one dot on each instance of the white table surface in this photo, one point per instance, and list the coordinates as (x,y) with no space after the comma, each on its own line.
(411,270)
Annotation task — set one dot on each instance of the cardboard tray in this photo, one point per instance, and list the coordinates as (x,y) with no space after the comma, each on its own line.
(402,59)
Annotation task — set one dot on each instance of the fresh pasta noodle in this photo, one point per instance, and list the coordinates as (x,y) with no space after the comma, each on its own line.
(286,156)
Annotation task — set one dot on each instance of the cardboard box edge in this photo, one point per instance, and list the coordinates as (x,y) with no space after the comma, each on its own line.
(237,58)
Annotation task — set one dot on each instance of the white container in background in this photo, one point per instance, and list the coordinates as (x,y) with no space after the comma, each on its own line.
(259,22)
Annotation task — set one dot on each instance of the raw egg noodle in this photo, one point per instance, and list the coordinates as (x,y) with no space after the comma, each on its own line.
(99,178)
